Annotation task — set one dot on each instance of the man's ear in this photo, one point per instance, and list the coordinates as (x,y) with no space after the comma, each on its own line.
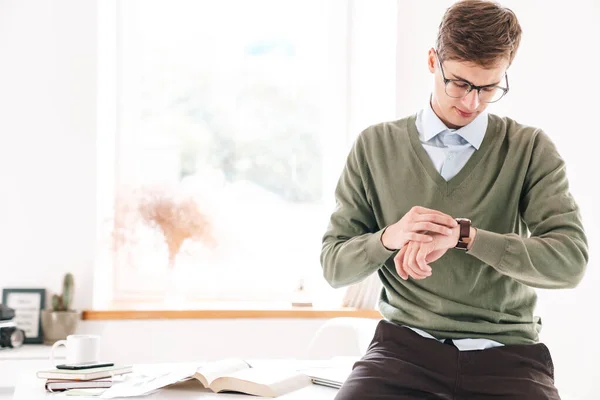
(431,60)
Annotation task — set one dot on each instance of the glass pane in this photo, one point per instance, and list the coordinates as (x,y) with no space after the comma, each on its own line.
(221,146)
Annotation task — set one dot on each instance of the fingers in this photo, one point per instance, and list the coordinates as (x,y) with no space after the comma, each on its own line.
(431,227)
(421,259)
(398,263)
(418,237)
(434,255)
(440,219)
(409,263)
(418,210)
(423,210)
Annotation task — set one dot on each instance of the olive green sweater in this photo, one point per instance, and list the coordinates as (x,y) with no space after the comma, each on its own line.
(515,191)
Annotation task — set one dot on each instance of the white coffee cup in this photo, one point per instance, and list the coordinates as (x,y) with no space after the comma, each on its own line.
(81,349)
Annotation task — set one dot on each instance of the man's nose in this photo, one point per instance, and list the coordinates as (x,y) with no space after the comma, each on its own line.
(471,100)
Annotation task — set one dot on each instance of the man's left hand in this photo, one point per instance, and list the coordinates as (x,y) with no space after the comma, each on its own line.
(413,258)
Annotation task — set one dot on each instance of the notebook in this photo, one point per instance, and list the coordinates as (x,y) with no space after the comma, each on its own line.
(57,385)
(84,374)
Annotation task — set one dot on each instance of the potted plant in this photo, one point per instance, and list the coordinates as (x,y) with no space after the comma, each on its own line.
(61,321)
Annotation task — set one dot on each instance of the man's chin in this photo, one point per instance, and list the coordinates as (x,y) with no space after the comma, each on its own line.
(459,120)
(456,123)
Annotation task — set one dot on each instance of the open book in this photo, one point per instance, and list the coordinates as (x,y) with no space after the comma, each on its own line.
(233,375)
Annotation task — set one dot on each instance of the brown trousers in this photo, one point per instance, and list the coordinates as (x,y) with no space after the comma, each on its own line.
(401,364)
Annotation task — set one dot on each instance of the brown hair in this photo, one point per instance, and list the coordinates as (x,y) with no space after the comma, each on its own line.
(478,31)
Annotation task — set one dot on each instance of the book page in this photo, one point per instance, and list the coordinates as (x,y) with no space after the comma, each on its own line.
(213,370)
(274,382)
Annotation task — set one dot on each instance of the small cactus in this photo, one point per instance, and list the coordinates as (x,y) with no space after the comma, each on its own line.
(63,301)
(68,287)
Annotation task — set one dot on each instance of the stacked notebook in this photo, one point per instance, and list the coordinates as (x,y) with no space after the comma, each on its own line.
(92,378)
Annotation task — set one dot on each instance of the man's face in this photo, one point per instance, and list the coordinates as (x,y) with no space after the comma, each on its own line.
(458,112)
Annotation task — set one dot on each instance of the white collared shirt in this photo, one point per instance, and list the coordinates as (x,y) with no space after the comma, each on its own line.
(449,150)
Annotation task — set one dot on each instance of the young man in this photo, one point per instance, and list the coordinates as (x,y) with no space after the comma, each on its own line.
(462,214)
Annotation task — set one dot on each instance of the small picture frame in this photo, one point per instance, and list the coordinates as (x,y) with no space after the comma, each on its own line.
(28,305)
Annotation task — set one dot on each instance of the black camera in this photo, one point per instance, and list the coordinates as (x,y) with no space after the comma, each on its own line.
(10,334)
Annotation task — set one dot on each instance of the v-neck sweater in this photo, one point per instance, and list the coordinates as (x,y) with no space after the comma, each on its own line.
(514,189)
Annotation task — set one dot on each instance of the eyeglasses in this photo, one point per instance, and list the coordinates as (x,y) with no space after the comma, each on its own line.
(458,88)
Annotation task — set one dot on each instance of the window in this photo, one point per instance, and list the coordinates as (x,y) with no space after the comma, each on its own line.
(233,121)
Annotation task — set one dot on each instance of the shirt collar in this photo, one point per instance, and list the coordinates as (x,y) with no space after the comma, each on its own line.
(472,133)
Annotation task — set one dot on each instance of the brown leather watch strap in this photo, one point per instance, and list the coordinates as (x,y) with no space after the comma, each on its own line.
(464,234)
(465,229)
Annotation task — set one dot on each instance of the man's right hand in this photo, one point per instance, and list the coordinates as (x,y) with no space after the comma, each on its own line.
(412,226)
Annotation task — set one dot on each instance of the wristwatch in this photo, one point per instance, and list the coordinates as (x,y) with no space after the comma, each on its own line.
(465,233)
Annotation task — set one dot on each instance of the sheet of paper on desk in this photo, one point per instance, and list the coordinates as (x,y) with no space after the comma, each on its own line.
(143,384)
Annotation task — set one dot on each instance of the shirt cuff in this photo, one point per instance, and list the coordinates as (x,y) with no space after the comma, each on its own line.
(489,247)
(376,251)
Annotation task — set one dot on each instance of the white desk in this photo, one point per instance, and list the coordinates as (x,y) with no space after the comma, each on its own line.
(16,362)
(29,387)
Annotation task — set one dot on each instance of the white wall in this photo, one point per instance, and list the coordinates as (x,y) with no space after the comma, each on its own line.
(47,148)
(554,85)
(192,340)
